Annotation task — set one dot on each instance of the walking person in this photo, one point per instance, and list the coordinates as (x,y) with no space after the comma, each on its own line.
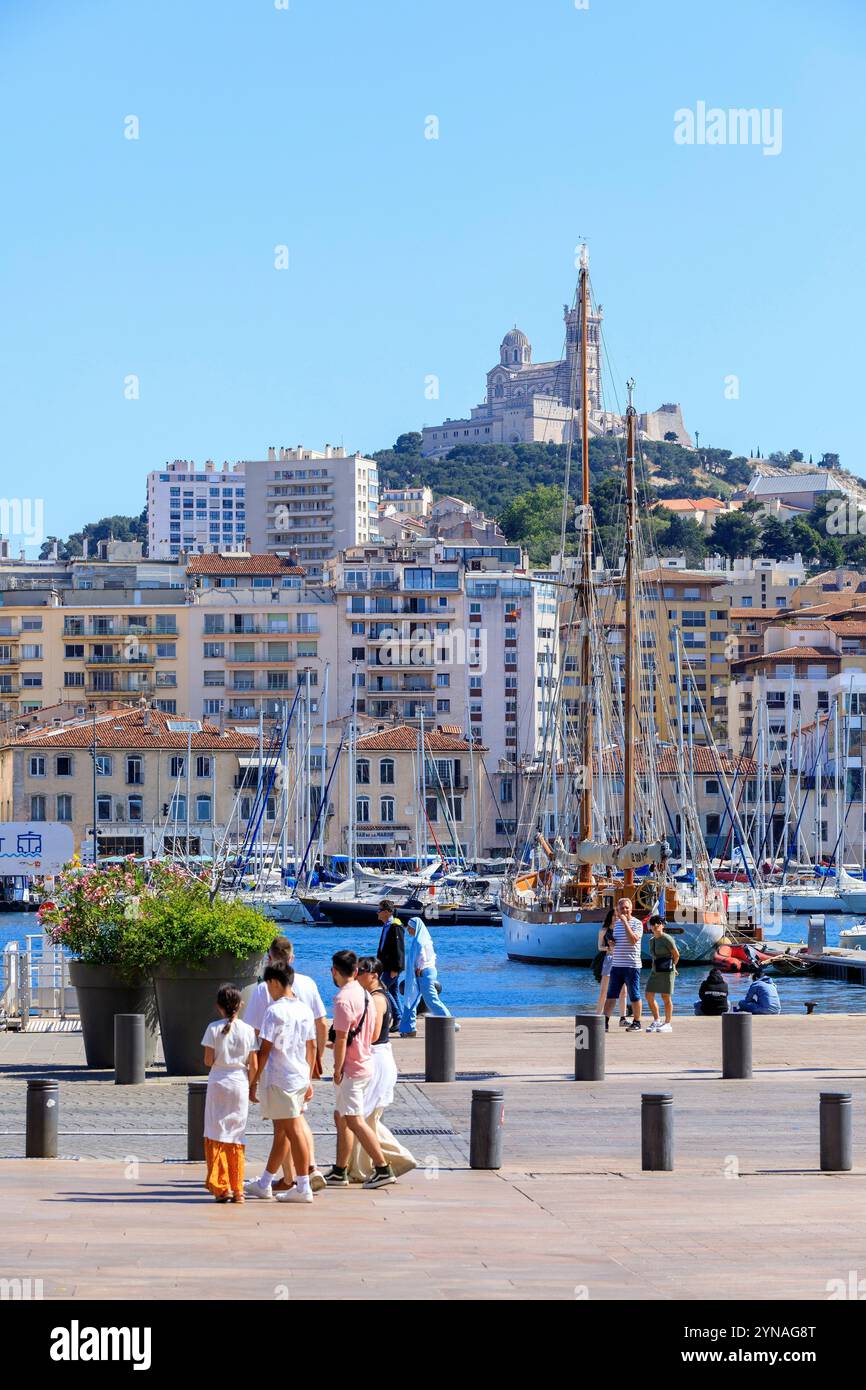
(391,948)
(287,1051)
(380,1088)
(304,988)
(230,1056)
(354,1021)
(420,978)
(665,958)
(625,970)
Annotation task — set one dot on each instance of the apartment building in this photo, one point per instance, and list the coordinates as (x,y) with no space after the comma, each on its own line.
(408,501)
(312,503)
(398,807)
(257,630)
(191,509)
(127,771)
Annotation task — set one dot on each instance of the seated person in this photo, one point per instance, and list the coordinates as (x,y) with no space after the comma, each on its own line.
(713,993)
(762,997)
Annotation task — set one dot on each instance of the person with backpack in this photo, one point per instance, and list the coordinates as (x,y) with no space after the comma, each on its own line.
(391,951)
(354,1023)
(380,1088)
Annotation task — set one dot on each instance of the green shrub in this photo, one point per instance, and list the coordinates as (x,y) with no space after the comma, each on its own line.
(184,927)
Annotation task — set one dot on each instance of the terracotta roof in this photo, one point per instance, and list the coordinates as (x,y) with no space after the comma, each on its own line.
(707,762)
(134,729)
(819,653)
(846,627)
(242,564)
(757,612)
(691,504)
(403,737)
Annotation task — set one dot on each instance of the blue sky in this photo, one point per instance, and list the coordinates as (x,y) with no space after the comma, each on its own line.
(408,257)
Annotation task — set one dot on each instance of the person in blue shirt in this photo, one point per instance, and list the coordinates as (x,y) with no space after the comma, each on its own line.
(762,997)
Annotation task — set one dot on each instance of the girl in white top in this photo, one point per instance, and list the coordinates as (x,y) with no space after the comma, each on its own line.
(231,1056)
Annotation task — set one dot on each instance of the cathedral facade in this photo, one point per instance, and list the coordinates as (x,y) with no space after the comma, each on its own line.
(528,402)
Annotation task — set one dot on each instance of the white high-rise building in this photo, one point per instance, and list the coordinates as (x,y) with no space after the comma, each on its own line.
(310,503)
(195,510)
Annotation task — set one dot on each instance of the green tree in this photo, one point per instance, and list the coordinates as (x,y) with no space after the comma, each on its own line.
(776,539)
(736,535)
(534,520)
(682,536)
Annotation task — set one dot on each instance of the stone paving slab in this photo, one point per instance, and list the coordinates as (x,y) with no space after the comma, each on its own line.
(570,1214)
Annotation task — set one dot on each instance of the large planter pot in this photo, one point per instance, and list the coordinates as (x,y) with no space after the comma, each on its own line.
(186,1003)
(103,992)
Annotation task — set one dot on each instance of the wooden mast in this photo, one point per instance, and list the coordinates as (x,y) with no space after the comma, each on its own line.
(632,658)
(586,573)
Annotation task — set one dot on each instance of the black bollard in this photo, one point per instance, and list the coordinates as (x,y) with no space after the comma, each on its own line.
(439,1049)
(195,1099)
(737,1047)
(129,1068)
(835,1126)
(589,1047)
(657,1132)
(485,1129)
(43,1118)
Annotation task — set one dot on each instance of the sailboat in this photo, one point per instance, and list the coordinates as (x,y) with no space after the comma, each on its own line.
(580,854)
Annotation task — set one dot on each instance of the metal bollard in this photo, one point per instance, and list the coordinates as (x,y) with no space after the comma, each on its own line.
(737,1047)
(129,1067)
(439,1049)
(657,1132)
(589,1047)
(43,1118)
(195,1099)
(485,1129)
(835,1114)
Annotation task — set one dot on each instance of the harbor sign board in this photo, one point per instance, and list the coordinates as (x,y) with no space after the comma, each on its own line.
(34,847)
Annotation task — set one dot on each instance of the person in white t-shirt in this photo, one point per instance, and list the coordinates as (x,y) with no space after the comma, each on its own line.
(287,1051)
(304,988)
(230,1056)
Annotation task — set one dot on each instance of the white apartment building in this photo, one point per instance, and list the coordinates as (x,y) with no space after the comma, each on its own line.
(194,510)
(310,503)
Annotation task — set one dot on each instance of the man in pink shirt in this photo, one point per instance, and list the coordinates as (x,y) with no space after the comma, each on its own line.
(354,1024)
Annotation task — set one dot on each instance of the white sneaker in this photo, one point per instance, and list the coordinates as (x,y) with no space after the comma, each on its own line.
(317,1180)
(257,1189)
(654,1027)
(293,1195)
(666,1028)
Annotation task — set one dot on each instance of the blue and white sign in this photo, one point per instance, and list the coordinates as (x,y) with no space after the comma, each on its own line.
(34,847)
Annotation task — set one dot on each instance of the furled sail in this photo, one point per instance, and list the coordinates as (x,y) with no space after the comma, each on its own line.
(634,855)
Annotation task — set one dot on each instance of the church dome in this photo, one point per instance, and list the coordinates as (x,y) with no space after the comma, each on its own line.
(515,348)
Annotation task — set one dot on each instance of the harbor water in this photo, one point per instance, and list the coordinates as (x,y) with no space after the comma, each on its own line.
(479,981)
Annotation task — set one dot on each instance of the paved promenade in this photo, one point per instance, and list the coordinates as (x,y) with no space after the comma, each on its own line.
(570,1215)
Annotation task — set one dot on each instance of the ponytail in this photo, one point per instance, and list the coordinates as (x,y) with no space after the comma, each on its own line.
(229,999)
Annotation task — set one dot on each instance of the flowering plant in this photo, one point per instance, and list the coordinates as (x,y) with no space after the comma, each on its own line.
(94,906)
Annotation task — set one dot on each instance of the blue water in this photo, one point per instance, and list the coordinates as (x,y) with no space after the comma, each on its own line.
(479,981)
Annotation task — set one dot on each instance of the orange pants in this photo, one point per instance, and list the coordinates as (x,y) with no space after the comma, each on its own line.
(225,1168)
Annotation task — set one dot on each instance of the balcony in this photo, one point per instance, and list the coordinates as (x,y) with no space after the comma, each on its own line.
(120,687)
(121,659)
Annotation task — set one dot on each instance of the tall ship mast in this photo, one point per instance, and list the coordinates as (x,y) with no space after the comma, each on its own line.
(593,828)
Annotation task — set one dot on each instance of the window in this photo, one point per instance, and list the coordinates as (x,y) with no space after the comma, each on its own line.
(166,650)
(31,624)
(177,808)
(362,770)
(134,771)
(442,678)
(386,810)
(176,766)
(214,650)
(214,677)
(506,789)
(386,771)
(103,808)
(136,808)
(203,766)
(32,682)
(212,706)
(37,808)
(64,765)
(711,788)
(443,706)
(73,651)
(202,808)
(73,680)
(64,808)
(362,809)
(37,766)
(713,824)
(432,806)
